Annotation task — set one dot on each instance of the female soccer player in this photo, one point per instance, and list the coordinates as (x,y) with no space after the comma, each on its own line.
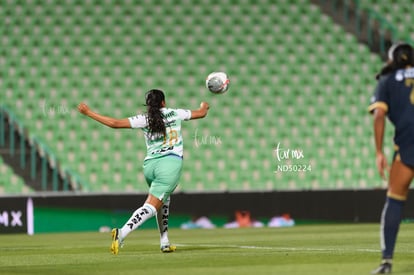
(394,97)
(162,164)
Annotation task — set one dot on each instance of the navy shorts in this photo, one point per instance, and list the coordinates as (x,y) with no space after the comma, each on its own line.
(405,154)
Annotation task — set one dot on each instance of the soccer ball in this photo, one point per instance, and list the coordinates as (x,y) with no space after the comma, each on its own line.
(217,82)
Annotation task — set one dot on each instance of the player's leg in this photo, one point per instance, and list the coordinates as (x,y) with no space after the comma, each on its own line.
(162,222)
(162,175)
(401,176)
(164,185)
(140,215)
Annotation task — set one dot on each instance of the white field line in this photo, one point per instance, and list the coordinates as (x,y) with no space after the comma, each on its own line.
(298,249)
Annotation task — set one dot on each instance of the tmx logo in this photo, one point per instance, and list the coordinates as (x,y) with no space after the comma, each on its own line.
(13,220)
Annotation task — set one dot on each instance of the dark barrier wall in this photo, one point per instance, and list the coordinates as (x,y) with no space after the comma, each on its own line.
(16,215)
(69,212)
(341,206)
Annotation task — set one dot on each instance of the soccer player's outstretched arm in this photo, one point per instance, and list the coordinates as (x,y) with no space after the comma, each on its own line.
(108,121)
(200,112)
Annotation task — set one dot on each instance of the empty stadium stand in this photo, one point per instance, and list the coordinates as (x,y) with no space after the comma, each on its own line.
(10,183)
(399,15)
(299,83)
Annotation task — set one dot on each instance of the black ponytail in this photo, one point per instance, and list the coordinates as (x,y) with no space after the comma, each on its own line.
(155,118)
(386,69)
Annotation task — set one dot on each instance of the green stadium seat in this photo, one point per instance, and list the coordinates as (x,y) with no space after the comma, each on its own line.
(396,16)
(10,183)
(284,89)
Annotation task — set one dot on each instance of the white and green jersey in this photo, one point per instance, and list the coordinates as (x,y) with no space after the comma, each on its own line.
(158,145)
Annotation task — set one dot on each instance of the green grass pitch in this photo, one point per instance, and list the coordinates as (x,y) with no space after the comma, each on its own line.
(303,249)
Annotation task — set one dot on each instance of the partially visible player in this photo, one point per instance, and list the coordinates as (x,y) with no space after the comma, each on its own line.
(394,98)
(162,164)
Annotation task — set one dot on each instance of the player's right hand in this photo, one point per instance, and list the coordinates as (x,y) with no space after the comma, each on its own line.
(382,165)
(204,105)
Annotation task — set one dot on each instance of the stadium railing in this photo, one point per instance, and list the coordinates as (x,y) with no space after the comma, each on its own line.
(37,165)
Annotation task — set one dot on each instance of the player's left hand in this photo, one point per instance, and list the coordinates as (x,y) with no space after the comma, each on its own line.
(83,108)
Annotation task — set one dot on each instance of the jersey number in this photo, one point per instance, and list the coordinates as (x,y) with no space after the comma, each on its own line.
(172,137)
(410,83)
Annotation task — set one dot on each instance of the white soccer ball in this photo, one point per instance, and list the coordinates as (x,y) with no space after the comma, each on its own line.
(217,82)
